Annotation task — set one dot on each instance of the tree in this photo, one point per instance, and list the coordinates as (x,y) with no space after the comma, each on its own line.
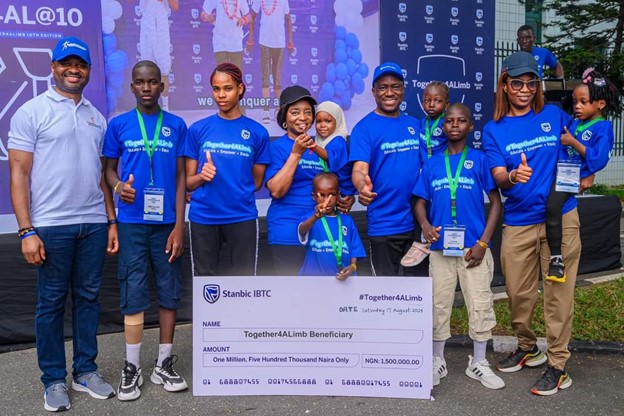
(589,33)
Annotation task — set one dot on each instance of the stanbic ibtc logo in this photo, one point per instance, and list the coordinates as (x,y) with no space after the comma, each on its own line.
(402,36)
(402,7)
(212,293)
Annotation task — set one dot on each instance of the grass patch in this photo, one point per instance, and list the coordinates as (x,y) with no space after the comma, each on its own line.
(602,189)
(598,314)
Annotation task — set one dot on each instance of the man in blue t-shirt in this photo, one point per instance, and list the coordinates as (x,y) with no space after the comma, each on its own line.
(386,162)
(151,222)
(543,57)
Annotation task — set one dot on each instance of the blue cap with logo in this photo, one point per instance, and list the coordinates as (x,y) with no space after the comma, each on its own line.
(388,68)
(71,46)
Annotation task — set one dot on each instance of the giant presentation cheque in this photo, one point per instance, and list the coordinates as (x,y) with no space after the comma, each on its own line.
(367,336)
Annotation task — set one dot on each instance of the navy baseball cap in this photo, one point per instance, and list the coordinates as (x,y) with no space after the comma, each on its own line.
(519,63)
(388,68)
(71,46)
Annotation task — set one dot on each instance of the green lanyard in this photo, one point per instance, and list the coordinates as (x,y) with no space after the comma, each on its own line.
(337,248)
(454,182)
(324,164)
(582,127)
(429,132)
(150,150)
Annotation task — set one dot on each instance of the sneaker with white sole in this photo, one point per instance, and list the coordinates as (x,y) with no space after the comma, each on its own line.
(551,382)
(481,371)
(519,358)
(416,254)
(167,376)
(55,398)
(131,380)
(94,384)
(439,369)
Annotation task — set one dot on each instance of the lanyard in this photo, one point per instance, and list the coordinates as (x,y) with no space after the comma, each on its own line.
(324,164)
(429,132)
(454,182)
(582,127)
(337,248)
(150,150)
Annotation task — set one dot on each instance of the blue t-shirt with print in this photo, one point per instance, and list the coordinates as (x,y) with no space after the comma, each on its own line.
(124,140)
(320,259)
(475,178)
(543,57)
(338,161)
(284,213)
(537,136)
(598,140)
(437,138)
(390,146)
(235,147)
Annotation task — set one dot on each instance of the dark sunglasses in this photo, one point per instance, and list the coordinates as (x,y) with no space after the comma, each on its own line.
(517,84)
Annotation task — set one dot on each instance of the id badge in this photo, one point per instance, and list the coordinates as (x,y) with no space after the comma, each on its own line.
(568,176)
(154,204)
(453,242)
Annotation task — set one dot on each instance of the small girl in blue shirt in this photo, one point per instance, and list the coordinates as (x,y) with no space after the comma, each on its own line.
(588,142)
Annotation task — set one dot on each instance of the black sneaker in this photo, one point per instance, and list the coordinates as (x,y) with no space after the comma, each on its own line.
(167,376)
(519,358)
(551,382)
(556,270)
(131,380)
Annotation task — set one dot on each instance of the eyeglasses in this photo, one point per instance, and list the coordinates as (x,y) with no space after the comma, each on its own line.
(517,84)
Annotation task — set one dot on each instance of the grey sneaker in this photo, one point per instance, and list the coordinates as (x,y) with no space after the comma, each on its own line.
(481,371)
(167,376)
(439,369)
(94,384)
(131,380)
(56,398)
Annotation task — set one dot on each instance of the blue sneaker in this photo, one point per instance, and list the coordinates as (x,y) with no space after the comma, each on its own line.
(56,398)
(94,384)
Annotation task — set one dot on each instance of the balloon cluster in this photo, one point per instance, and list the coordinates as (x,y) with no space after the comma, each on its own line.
(115,61)
(344,77)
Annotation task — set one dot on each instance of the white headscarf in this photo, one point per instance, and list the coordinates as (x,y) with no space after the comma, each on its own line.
(341,127)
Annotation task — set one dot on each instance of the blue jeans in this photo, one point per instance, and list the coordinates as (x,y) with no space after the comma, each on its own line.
(74,257)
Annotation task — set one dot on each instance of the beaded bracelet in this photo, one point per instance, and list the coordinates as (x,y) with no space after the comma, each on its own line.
(25,230)
(482,244)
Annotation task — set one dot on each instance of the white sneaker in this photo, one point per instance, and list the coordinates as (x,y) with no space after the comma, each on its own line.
(439,369)
(481,371)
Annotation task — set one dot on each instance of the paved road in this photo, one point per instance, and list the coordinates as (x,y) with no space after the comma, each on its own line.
(598,389)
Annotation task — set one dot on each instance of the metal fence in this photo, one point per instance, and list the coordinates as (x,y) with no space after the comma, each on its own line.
(613,174)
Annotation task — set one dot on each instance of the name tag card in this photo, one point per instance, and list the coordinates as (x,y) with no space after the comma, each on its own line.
(366,336)
(568,177)
(154,204)
(453,242)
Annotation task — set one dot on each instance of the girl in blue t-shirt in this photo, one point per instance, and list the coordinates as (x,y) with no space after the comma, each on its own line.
(330,125)
(332,240)
(432,142)
(227,154)
(588,143)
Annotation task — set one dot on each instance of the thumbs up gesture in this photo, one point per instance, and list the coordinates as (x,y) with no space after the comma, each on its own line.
(125,190)
(365,193)
(209,170)
(524,171)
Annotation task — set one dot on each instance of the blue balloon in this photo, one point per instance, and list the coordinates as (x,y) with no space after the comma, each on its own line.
(340,55)
(351,66)
(114,79)
(341,71)
(117,61)
(349,52)
(352,40)
(340,32)
(330,72)
(363,69)
(337,101)
(346,103)
(109,43)
(356,55)
(327,89)
(339,86)
(340,44)
(357,82)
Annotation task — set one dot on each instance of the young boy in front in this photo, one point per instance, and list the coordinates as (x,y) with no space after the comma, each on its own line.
(332,240)
(452,184)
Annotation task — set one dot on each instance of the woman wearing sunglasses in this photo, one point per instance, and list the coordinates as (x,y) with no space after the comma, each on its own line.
(522,144)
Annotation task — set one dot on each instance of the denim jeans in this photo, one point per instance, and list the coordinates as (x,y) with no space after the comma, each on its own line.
(74,257)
